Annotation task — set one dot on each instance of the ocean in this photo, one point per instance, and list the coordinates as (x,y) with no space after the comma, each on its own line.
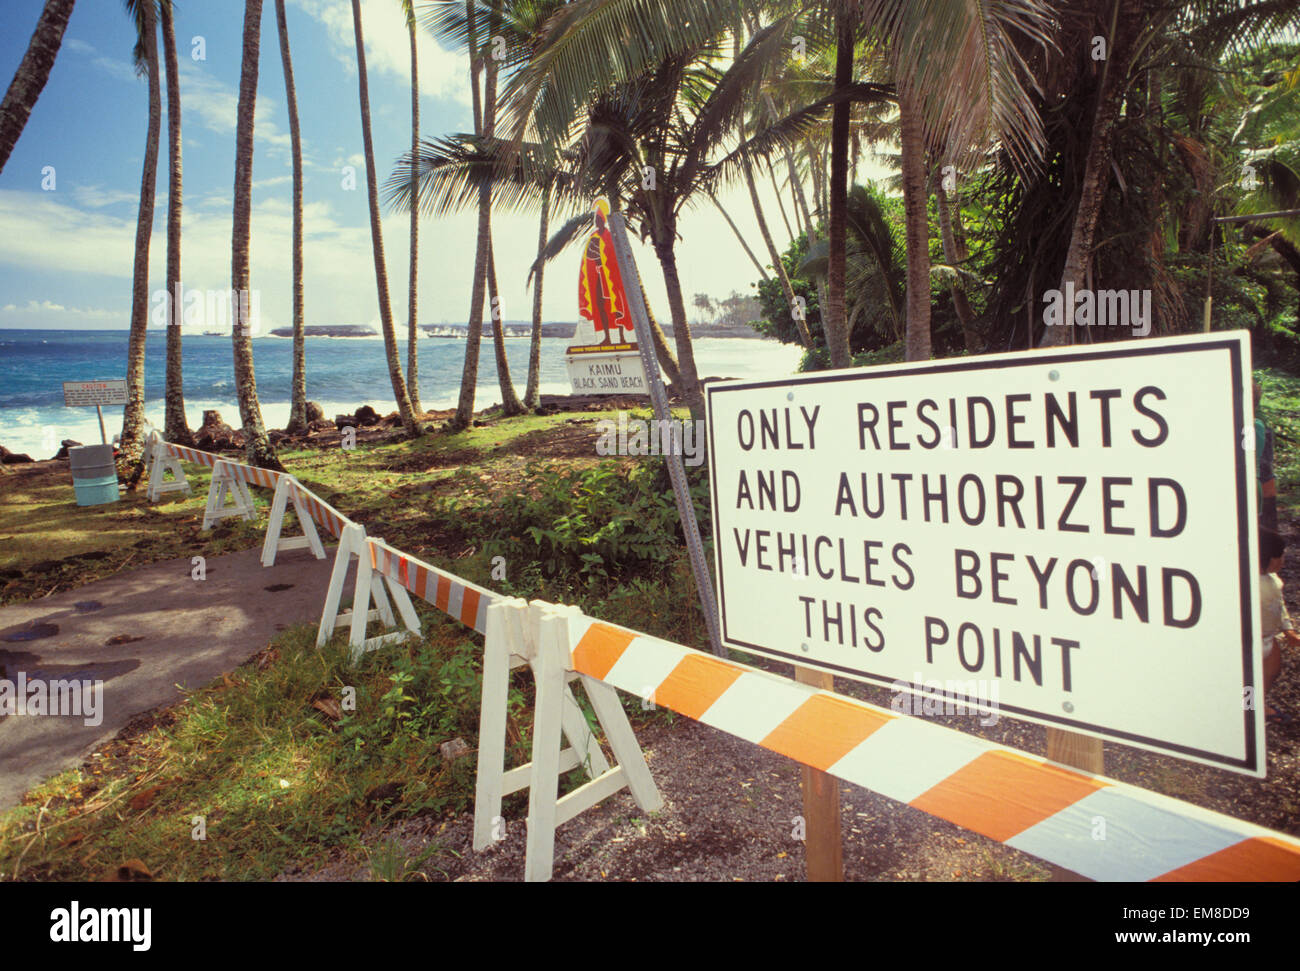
(343,373)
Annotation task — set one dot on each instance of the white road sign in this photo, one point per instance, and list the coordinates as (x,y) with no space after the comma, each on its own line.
(1066,536)
(82,394)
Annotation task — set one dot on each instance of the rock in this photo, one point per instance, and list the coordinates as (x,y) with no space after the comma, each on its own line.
(314,412)
(66,444)
(131,871)
(454,749)
(13,458)
(367,416)
(276,436)
(345,421)
(322,425)
(215,434)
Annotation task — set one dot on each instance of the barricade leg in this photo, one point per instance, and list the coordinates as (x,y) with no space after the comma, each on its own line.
(542,804)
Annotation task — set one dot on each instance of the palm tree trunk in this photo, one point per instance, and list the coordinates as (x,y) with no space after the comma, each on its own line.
(762,271)
(801,215)
(510,403)
(688,377)
(667,360)
(34,70)
(132,442)
(175,427)
(955,255)
(412,323)
(912,141)
(259,448)
(1096,175)
(469,376)
(777,263)
(780,205)
(532,391)
(833,315)
(298,391)
(404,408)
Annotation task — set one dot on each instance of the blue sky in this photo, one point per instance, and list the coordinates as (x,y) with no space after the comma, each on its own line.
(66,252)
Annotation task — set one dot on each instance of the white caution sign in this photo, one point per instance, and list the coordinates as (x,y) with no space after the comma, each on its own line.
(1066,536)
(81,394)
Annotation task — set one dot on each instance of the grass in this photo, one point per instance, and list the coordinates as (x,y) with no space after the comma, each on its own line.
(268,764)
(267,776)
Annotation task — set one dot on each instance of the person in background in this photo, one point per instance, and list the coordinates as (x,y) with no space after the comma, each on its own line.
(1275,626)
(1267,494)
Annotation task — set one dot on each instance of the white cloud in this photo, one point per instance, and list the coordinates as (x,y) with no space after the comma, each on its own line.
(216,105)
(97,197)
(443,74)
(78,46)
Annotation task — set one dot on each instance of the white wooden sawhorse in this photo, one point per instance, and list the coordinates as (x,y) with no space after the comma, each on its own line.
(226,484)
(285,492)
(369,586)
(537,635)
(161,462)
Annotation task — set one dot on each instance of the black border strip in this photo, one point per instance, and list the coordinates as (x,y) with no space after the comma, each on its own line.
(1245,566)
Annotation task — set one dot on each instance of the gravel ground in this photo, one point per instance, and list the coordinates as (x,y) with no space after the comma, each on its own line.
(728,815)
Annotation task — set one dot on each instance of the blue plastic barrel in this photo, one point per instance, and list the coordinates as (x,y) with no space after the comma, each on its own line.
(97,491)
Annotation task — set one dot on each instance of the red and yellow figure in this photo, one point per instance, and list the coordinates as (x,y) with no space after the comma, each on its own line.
(601,298)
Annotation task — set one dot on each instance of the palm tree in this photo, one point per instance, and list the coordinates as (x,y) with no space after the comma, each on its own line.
(1204,30)
(175,427)
(260,451)
(510,403)
(298,393)
(34,70)
(673,120)
(144,13)
(469,374)
(532,391)
(833,319)
(962,85)
(407,413)
(412,324)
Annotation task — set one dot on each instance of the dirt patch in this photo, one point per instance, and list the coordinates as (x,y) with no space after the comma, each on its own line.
(575,439)
(729,815)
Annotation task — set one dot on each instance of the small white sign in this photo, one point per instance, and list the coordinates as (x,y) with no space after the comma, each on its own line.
(607,373)
(1073,528)
(81,394)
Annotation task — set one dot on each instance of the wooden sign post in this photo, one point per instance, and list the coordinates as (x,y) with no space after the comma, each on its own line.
(823,845)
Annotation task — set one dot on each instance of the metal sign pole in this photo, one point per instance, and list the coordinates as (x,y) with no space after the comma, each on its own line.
(102,436)
(659,400)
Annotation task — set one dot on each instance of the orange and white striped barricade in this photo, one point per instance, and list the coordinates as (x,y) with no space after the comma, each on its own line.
(228,483)
(161,461)
(194,456)
(457,598)
(511,642)
(1095,826)
(321,512)
(288,490)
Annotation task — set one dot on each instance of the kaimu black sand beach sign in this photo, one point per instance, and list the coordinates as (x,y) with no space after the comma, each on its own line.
(603,357)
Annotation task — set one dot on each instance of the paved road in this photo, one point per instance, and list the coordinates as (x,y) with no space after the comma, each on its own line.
(189,633)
